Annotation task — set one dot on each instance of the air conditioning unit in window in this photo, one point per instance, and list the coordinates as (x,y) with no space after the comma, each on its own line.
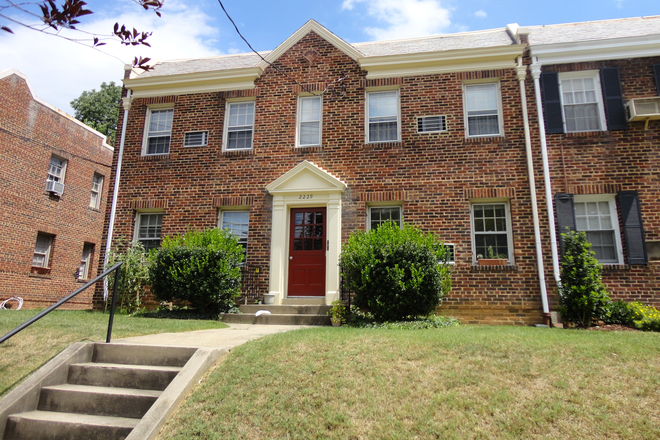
(54,187)
(643,109)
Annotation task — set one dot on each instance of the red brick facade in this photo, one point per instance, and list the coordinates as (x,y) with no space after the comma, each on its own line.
(31,132)
(434,177)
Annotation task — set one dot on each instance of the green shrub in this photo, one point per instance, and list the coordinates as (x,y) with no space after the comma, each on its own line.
(620,313)
(644,317)
(582,295)
(366,320)
(134,275)
(395,273)
(199,267)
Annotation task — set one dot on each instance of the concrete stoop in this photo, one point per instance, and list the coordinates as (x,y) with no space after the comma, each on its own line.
(102,392)
(287,314)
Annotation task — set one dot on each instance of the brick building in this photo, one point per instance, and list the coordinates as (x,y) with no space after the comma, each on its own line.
(53,174)
(441,132)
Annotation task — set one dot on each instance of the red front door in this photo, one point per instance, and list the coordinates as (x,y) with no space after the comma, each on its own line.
(307,252)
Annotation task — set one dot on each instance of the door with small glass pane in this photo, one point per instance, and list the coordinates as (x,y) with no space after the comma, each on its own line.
(307,252)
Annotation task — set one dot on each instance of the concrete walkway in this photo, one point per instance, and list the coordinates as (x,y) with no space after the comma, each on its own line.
(226,338)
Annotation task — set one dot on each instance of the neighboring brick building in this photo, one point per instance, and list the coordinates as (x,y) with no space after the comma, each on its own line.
(53,174)
(430,131)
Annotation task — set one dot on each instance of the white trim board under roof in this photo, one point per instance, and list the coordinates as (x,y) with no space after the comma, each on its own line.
(467,51)
(595,40)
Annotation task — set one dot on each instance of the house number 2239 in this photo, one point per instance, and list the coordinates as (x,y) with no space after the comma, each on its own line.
(305,196)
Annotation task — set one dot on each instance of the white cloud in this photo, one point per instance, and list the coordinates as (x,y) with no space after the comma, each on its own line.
(619,4)
(60,70)
(481,14)
(404,18)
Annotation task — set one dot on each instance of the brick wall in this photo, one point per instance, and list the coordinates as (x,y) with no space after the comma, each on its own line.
(30,133)
(610,161)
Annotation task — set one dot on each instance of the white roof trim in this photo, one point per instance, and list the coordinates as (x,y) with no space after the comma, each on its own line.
(310,26)
(331,183)
(8,72)
(199,82)
(594,50)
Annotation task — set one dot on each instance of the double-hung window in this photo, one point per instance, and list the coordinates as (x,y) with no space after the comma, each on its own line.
(41,256)
(55,178)
(597,217)
(383,116)
(582,101)
(86,261)
(159,131)
(239,126)
(483,109)
(148,229)
(491,230)
(379,215)
(238,223)
(95,195)
(309,121)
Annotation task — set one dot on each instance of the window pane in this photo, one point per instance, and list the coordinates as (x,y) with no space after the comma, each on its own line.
(382,215)
(240,140)
(383,131)
(310,109)
(241,114)
(238,224)
(159,145)
(382,104)
(160,120)
(310,133)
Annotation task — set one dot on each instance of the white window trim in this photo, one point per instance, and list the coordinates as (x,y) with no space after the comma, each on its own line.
(384,205)
(595,74)
(45,254)
(299,121)
(98,192)
(136,223)
(500,117)
(147,121)
(453,246)
(509,228)
(84,274)
(51,177)
(614,216)
(398,113)
(225,129)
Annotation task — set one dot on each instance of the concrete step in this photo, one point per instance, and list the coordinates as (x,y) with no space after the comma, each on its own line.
(285,319)
(299,309)
(100,401)
(307,300)
(141,355)
(47,425)
(143,377)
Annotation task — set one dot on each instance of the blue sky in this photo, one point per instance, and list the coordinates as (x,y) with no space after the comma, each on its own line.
(60,70)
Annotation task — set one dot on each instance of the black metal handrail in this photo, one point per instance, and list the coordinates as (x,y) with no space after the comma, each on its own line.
(250,282)
(63,300)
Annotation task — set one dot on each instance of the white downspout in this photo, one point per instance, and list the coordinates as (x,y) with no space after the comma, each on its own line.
(536,74)
(521,74)
(126,102)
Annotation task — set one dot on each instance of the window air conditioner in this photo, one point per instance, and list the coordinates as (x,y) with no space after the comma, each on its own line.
(54,187)
(643,109)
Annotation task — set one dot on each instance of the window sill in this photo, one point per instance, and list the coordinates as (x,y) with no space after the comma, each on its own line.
(308,148)
(249,152)
(40,272)
(484,139)
(615,267)
(90,208)
(81,280)
(378,145)
(154,157)
(584,134)
(53,195)
(505,268)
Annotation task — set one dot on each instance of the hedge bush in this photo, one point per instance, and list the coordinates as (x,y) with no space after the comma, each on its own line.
(582,295)
(644,317)
(199,267)
(395,273)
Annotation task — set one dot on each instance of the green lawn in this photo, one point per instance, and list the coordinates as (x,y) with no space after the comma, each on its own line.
(458,383)
(25,352)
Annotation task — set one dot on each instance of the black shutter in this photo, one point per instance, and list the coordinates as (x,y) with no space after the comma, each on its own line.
(656,72)
(554,123)
(633,231)
(614,111)
(565,216)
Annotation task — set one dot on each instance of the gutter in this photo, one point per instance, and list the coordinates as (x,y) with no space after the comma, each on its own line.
(126,102)
(521,74)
